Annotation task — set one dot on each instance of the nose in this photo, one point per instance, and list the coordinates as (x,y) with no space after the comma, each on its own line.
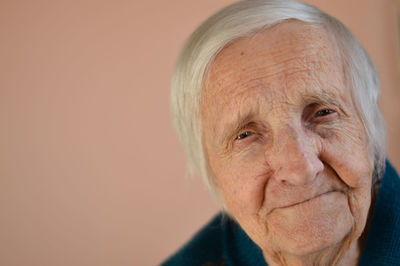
(294,157)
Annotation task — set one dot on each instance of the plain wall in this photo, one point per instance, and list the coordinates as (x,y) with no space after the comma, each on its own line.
(91,171)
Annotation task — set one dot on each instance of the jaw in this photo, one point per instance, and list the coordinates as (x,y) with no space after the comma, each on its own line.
(329,239)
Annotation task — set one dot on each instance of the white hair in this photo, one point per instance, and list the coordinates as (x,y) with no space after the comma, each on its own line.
(243,19)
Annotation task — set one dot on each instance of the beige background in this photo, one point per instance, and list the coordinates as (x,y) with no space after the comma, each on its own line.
(91,172)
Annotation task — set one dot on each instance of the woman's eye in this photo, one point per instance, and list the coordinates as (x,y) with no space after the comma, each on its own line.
(324,112)
(244,135)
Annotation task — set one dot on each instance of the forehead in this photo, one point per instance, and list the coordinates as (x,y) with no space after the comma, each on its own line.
(281,64)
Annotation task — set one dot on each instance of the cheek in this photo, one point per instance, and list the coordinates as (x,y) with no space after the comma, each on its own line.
(242,185)
(347,154)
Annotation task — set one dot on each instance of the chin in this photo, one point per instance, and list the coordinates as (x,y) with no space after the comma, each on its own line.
(302,231)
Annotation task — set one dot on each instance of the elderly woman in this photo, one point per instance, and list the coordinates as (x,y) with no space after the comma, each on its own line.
(275,103)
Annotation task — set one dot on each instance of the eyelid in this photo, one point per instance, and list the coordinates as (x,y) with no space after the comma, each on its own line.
(319,111)
(316,118)
(256,132)
(244,132)
(249,127)
(312,108)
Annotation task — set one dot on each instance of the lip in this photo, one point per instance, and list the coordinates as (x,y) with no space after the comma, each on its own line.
(303,201)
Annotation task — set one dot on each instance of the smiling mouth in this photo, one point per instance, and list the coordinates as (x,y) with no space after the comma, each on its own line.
(304,201)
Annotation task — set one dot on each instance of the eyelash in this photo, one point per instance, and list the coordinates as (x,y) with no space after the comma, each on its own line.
(324,112)
(244,135)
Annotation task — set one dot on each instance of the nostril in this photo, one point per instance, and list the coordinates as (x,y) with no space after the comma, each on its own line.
(300,169)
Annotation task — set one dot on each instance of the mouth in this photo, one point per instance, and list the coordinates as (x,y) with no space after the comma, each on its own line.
(319,196)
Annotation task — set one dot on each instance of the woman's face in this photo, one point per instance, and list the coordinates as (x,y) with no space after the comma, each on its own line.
(284,142)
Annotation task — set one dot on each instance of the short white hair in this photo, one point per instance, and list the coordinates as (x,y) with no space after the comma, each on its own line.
(245,18)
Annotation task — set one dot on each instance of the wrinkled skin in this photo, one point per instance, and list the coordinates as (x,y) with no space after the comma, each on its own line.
(286,147)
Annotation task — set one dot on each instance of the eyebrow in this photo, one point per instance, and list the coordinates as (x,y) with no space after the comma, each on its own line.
(323,99)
